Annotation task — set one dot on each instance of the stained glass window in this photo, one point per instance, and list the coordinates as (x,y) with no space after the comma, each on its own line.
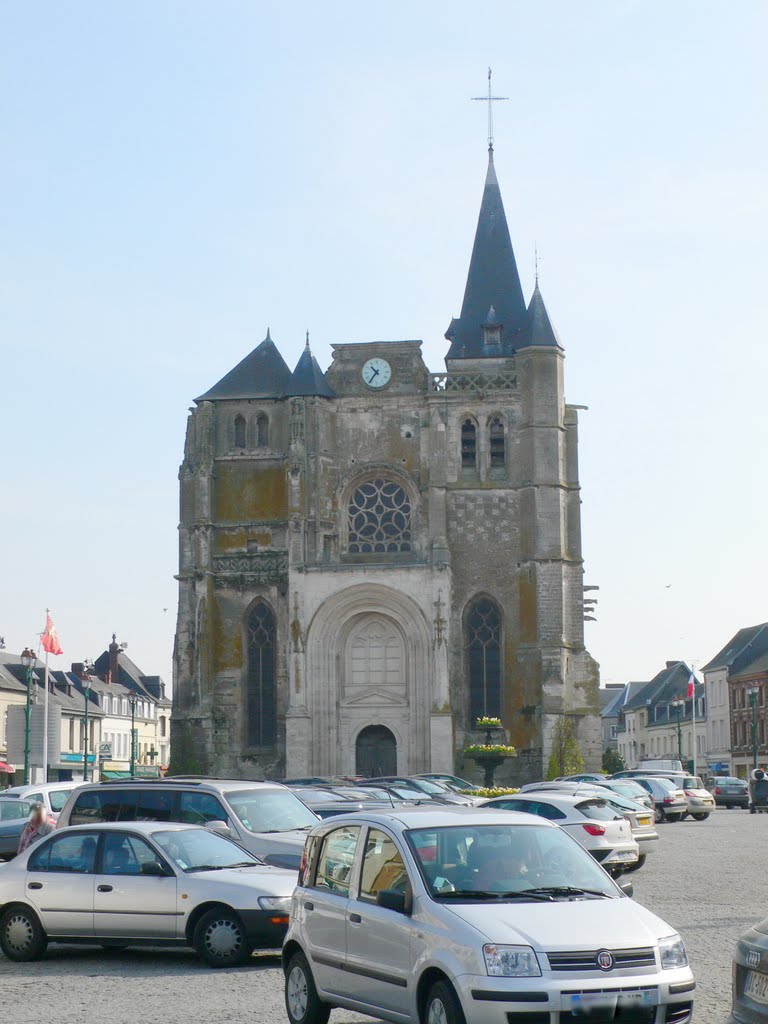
(261,677)
(482,632)
(379,518)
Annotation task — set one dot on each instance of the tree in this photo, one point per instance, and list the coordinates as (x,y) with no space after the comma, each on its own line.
(565,758)
(613,762)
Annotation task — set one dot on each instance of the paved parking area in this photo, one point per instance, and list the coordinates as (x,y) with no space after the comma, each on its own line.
(705,880)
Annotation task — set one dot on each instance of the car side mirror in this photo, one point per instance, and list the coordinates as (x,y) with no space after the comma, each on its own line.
(627,888)
(154,868)
(393,899)
(221,827)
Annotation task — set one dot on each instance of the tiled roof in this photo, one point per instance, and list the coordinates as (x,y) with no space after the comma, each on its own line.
(744,638)
(262,374)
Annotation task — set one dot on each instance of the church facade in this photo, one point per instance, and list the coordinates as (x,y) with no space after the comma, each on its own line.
(375,556)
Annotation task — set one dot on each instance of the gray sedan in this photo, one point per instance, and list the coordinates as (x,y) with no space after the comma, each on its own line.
(14,815)
(143,883)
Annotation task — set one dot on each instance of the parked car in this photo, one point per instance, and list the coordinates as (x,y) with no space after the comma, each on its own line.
(730,792)
(428,787)
(452,781)
(454,915)
(14,815)
(593,824)
(749,988)
(630,789)
(641,819)
(671,803)
(143,883)
(266,818)
(329,802)
(52,795)
(585,777)
(701,803)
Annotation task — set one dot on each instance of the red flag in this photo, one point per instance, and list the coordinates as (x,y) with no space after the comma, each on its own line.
(691,686)
(50,638)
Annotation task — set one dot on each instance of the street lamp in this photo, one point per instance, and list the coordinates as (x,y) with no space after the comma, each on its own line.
(132,702)
(679,703)
(27,660)
(86,697)
(753,691)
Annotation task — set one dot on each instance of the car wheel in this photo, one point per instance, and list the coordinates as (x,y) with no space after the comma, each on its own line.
(301,999)
(443,1006)
(660,815)
(220,939)
(21,935)
(638,863)
(700,817)
(674,817)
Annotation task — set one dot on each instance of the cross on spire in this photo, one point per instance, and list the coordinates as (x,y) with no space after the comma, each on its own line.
(490,100)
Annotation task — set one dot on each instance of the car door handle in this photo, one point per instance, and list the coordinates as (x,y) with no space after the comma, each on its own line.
(355,919)
(309,906)
(104,888)
(35,885)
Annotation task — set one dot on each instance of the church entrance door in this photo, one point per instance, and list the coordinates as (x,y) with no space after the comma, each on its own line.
(376,752)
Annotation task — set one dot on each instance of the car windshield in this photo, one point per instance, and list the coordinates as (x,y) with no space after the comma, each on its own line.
(478,862)
(692,782)
(729,782)
(270,810)
(197,849)
(428,786)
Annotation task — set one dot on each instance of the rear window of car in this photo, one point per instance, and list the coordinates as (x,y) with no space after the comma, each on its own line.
(122,805)
(598,810)
(13,810)
(729,782)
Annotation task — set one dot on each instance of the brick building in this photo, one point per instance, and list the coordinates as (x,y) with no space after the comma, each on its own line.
(374,556)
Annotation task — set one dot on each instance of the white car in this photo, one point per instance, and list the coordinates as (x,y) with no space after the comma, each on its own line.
(143,883)
(473,915)
(601,830)
(52,795)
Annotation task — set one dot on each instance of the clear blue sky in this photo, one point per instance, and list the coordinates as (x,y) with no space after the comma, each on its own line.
(176,176)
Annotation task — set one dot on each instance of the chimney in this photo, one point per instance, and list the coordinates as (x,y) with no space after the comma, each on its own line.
(78,669)
(114,669)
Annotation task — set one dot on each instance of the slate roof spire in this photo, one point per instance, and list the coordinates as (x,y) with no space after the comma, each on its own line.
(492,280)
(262,374)
(538,326)
(308,378)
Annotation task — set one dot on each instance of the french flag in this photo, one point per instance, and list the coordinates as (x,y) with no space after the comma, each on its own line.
(691,686)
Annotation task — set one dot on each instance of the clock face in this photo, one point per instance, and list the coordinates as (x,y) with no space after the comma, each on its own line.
(377,372)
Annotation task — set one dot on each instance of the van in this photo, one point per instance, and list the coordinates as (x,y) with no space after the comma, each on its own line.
(264,817)
(52,795)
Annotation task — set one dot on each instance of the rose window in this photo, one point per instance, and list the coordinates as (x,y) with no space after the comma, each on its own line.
(379,518)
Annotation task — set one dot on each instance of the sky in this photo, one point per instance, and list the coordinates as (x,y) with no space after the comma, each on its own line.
(178,175)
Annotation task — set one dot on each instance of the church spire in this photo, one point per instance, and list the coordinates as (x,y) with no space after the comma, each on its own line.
(492,280)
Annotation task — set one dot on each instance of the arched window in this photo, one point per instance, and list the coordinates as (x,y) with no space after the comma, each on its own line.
(239,431)
(496,433)
(261,689)
(379,518)
(468,445)
(262,431)
(482,642)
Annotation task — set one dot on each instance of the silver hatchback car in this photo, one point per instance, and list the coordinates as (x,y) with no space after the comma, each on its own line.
(447,916)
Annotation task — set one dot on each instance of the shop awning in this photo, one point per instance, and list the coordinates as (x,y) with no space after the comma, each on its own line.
(7,768)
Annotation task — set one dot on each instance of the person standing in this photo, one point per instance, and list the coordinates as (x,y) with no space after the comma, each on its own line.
(39,825)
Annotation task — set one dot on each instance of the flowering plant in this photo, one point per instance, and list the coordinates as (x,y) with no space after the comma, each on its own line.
(490,791)
(488,723)
(489,750)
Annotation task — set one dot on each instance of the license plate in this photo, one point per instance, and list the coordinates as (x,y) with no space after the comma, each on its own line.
(757,987)
(644,821)
(584,1002)
(626,855)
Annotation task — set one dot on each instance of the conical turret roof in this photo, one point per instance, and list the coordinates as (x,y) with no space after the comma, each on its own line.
(538,326)
(262,374)
(492,280)
(308,378)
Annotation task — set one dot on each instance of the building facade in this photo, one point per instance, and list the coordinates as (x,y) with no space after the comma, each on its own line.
(373,557)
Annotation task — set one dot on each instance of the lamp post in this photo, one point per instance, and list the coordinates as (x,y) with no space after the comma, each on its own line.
(27,660)
(679,703)
(753,691)
(86,697)
(132,702)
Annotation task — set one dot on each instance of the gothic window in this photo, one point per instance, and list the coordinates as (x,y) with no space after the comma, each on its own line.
(239,431)
(379,518)
(496,432)
(376,654)
(468,445)
(262,431)
(261,690)
(482,639)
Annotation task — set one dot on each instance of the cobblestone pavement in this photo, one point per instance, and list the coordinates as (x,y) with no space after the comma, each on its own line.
(701,880)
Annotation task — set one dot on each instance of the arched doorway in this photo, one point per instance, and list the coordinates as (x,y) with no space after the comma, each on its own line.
(376,752)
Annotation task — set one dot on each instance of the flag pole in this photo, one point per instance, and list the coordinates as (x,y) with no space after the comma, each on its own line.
(693,720)
(45,711)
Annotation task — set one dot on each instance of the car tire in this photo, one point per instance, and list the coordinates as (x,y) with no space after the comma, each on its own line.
(21,935)
(220,939)
(674,817)
(442,1006)
(659,814)
(700,817)
(638,863)
(302,1002)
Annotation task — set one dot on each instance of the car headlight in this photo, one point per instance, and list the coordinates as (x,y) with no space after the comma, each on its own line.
(511,962)
(672,952)
(280,903)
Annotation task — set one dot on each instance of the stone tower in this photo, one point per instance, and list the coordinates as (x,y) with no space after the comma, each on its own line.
(373,557)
